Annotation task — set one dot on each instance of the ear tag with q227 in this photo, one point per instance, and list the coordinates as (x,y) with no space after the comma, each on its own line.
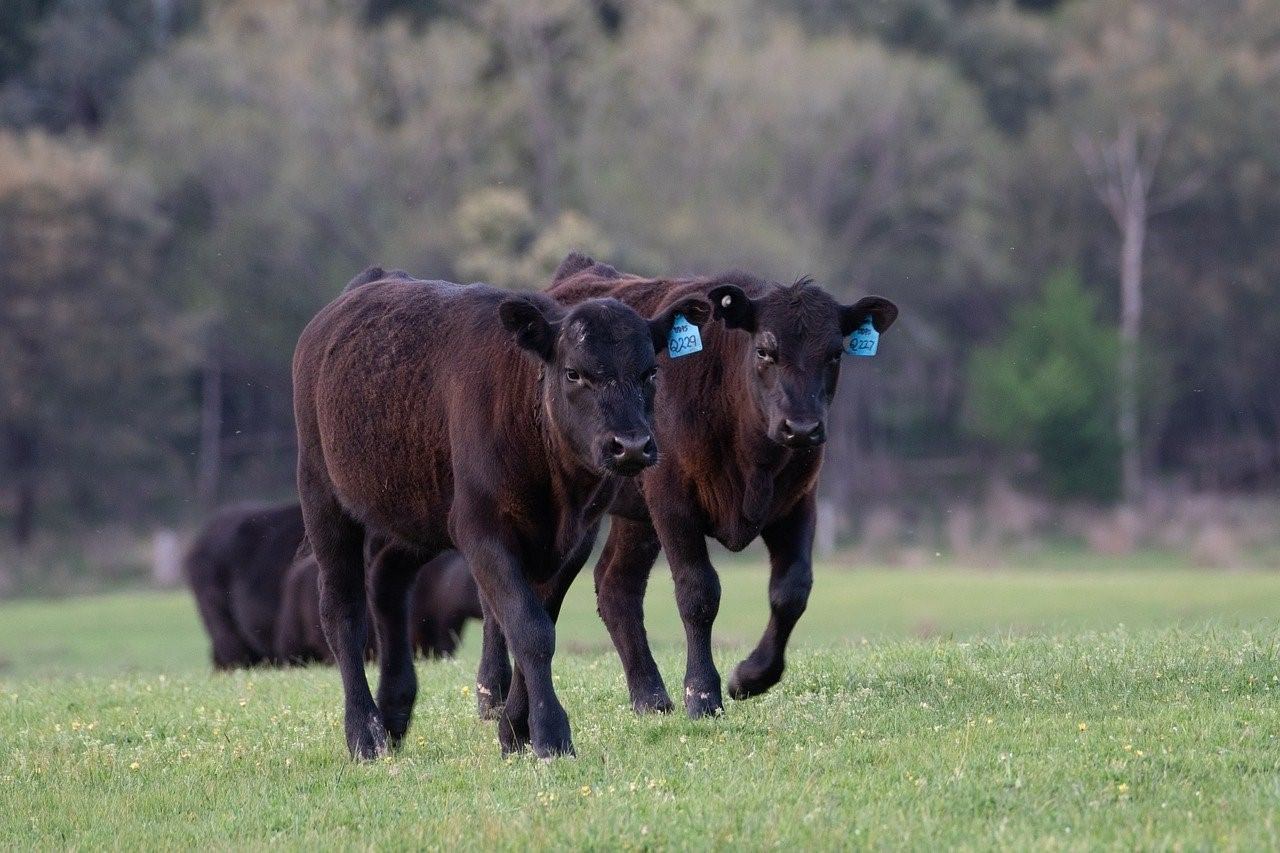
(685,339)
(863,341)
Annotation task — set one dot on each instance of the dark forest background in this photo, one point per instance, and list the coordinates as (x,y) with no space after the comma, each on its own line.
(1076,204)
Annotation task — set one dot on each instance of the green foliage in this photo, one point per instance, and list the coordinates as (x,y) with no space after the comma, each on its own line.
(91,360)
(1050,386)
(500,242)
(923,149)
(19,20)
(79,54)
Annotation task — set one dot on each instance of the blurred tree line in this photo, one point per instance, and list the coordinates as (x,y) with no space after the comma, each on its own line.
(1049,190)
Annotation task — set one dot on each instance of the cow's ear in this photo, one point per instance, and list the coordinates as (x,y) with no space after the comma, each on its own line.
(881,311)
(527,319)
(695,309)
(573,263)
(733,307)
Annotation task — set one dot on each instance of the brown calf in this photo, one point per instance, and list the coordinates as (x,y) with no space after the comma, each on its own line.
(741,427)
(441,416)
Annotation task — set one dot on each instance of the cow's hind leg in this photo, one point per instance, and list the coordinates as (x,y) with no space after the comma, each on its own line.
(493,678)
(622,574)
(698,599)
(391,578)
(338,542)
(790,544)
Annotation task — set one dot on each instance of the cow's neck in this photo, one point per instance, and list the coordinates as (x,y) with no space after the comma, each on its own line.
(759,460)
(579,494)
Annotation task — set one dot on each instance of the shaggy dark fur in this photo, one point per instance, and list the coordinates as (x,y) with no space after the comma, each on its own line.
(441,416)
(741,428)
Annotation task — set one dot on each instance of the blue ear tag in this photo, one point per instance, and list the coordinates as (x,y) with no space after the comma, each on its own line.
(863,340)
(685,339)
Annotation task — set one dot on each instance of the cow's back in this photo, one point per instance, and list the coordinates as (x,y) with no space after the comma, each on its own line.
(392,377)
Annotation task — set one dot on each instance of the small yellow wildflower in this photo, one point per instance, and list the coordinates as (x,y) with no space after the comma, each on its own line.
(585,790)
(1083,727)
(135,766)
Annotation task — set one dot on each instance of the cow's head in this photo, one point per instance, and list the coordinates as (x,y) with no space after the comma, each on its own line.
(793,364)
(600,368)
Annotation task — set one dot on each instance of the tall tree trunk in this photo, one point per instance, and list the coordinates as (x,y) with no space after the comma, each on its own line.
(1133,239)
(1122,171)
(210,460)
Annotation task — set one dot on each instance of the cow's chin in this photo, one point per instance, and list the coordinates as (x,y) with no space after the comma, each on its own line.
(624,469)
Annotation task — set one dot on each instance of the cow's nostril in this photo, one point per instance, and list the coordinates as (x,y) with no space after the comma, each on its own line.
(802,430)
(630,448)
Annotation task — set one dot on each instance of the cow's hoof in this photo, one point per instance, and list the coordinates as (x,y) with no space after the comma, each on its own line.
(513,733)
(703,703)
(488,704)
(657,702)
(366,735)
(751,679)
(554,744)
(397,725)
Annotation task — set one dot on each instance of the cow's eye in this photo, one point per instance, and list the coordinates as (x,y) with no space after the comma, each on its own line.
(766,355)
(651,375)
(573,376)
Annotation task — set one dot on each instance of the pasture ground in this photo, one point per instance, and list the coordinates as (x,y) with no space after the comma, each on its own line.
(1075,706)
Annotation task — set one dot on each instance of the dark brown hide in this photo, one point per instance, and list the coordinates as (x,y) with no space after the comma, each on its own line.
(441,416)
(741,427)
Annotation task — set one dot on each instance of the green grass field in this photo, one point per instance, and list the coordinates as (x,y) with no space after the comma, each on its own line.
(1074,707)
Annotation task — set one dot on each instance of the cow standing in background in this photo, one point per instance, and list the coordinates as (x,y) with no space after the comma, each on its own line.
(235,567)
(255,590)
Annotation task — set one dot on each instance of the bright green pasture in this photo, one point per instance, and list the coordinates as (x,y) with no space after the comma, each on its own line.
(1063,708)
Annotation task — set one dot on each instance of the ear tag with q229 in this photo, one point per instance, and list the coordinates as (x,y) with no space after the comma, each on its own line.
(685,339)
(863,341)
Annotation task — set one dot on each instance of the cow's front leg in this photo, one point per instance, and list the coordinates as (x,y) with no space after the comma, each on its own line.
(493,678)
(530,635)
(514,729)
(698,599)
(790,544)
